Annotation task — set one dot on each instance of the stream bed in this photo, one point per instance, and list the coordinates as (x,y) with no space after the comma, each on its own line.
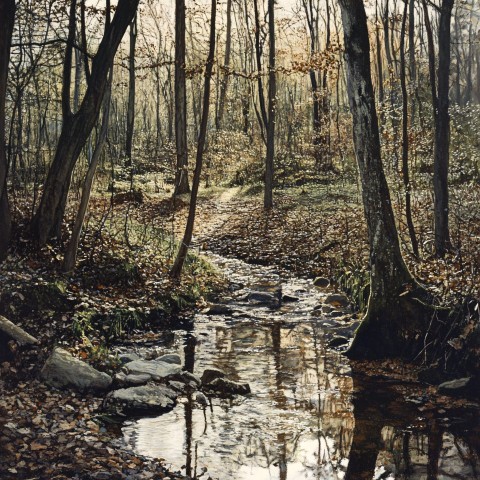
(308,415)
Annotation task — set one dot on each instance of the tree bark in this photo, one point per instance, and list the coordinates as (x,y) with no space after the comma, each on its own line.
(442,133)
(131,93)
(7,13)
(391,316)
(405,140)
(181,176)
(226,65)
(77,127)
(176,270)
(272,98)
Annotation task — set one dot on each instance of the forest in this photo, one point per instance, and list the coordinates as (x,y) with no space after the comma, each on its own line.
(240,239)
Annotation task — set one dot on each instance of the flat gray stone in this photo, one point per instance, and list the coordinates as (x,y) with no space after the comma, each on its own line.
(147,398)
(170,358)
(14,332)
(62,370)
(137,379)
(128,357)
(157,370)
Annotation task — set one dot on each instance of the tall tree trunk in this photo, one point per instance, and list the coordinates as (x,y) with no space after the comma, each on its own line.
(442,133)
(392,316)
(70,257)
(7,13)
(226,66)
(131,93)
(405,141)
(181,175)
(176,270)
(272,94)
(77,126)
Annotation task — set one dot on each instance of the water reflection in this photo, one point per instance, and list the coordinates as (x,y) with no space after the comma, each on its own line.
(308,417)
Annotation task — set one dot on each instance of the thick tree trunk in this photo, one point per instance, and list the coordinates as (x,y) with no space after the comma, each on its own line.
(391,316)
(181,176)
(442,133)
(7,13)
(77,127)
(176,270)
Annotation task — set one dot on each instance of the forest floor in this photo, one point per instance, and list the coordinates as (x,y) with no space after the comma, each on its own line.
(316,230)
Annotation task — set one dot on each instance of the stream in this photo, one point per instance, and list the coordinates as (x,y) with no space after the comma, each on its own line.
(308,416)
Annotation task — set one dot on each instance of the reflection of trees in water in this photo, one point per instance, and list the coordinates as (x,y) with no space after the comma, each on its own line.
(388,432)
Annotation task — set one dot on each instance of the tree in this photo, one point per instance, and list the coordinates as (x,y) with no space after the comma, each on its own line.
(131,92)
(7,13)
(77,126)
(181,175)
(394,316)
(176,270)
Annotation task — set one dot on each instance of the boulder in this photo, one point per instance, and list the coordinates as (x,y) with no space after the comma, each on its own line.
(144,399)
(321,282)
(337,300)
(156,369)
(211,374)
(224,386)
(133,379)
(62,370)
(172,358)
(289,298)
(264,298)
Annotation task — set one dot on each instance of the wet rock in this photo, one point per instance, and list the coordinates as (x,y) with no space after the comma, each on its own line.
(234,287)
(318,307)
(119,379)
(172,358)
(219,309)
(147,398)
(224,386)
(337,300)
(189,378)
(157,370)
(201,399)
(211,374)
(327,308)
(321,282)
(336,314)
(178,386)
(63,370)
(459,386)
(137,379)
(128,357)
(337,341)
(264,298)
(289,298)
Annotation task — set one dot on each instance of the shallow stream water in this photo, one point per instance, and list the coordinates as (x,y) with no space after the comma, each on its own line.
(308,416)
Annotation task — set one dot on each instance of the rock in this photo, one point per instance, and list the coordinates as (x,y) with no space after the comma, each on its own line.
(234,287)
(336,314)
(211,374)
(459,386)
(318,307)
(433,376)
(147,398)
(128,357)
(337,341)
(337,300)
(224,386)
(201,399)
(172,358)
(137,379)
(63,370)
(13,332)
(321,282)
(264,298)
(219,309)
(157,370)
(289,298)
(178,386)
(327,308)
(189,378)
(119,379)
